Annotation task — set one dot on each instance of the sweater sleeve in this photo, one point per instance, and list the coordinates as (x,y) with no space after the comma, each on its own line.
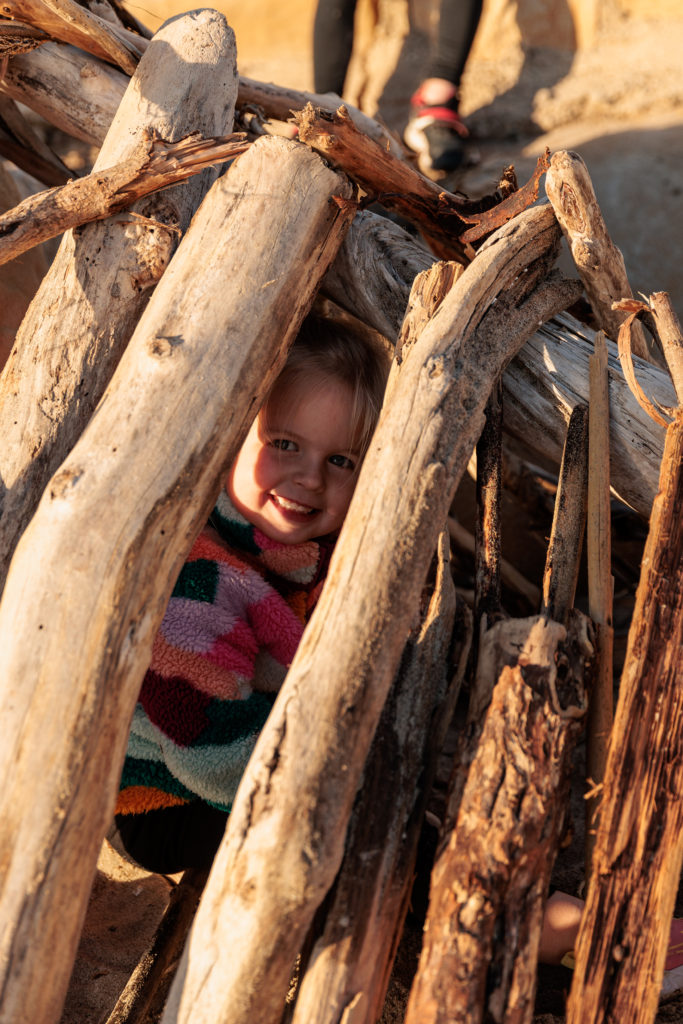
(199,711)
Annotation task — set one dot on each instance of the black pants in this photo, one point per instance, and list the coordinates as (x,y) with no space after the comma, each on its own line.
(333,41)
(173,838)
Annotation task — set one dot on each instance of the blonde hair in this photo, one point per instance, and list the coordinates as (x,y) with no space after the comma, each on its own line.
(328,348)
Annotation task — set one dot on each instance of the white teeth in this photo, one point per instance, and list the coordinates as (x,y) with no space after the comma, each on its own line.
(291,506)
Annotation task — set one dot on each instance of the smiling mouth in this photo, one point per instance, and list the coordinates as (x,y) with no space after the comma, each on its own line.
(287,505)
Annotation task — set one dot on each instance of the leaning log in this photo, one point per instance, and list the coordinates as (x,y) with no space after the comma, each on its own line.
(352,958)
(103,274)
(542,384)
(68,88)
(490,881)
(285,836)
(156,164)
(91,576)
(599,262)
(638,853)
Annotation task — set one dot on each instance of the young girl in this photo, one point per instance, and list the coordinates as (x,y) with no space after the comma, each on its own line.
(238,609)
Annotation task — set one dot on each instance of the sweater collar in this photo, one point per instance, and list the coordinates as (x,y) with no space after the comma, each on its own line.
(297,563)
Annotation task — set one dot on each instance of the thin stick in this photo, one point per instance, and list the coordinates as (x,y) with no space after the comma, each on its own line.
(569,520)
(600,712)
(149,983)
(487,526)
(511,577)
(155,165)
(669,331)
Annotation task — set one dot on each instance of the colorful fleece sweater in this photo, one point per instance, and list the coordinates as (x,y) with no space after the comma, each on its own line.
(232,625)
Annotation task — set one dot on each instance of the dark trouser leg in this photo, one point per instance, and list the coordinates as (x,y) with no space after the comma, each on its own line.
(332,44)
(173,838)
(458,21)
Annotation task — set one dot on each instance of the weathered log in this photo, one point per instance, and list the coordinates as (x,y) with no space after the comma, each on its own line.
(79,93)
(351,961)
(441,216)
(156,164)
(545,380)
(71,90)
(487,539)
(352,958)
(556,359)
(671,337)
(490,882)
(600,582)
(598,261)
(569,521)
(638,853)
(284,840)
(374,272)
(103,274)
(67,22)
(87,567)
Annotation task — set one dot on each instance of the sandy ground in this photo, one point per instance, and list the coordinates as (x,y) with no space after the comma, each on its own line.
(620,105)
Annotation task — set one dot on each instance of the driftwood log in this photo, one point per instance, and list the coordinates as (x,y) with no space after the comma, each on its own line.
(285,835)
(100,281)
(599,262)
(491,876)
(542,384)
(638,852)
(79,93)
(156,164)
(556,358)
(349,965)
(213,337)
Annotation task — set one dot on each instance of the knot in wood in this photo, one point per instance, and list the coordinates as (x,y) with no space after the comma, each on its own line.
(64,481)
(163,345)
(585,255)
(435,367)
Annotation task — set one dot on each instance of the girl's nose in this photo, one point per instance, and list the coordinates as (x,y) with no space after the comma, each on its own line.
(309,474)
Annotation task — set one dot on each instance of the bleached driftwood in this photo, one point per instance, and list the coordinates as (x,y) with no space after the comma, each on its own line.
(79,93)
(91,298)
(350,963)
(563,558)
(285,836)
(600,581)
(91,576)
(638,851)
(556,360)
(374,272)
(449,222)
(70,89)
(68,22)
(490,880)
(599,262)
(543,383)
(155,165)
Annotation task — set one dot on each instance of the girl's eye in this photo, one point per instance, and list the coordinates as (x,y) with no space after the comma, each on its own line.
(283,444)
(342,462)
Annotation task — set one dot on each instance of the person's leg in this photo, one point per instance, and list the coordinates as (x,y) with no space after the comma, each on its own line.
(332,44)
(435,130)
(458,22)
(173,839)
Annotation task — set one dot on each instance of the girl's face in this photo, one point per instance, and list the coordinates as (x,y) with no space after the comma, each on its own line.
(294,476)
